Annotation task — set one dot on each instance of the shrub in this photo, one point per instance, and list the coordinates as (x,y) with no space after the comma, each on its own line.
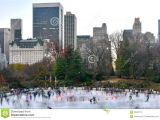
(99,77)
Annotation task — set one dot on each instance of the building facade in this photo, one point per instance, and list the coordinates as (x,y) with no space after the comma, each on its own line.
(16,29)
(128,34)
(4,41)
(82,40)
(70,30)
(134,34)
(48,22)
(3,60)
(159,30)
(136,26)
(99,33)
(28,51)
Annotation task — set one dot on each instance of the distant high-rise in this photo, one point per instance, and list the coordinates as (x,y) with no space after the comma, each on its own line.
(99,33)
(82,40)
(70,30)
(136,26)
(103,46)
(16,29)
(128,35)
(4,41)
(159,31)
(48,22)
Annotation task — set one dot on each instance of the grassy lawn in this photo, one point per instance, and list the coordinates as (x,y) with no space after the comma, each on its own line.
(131,82)
(155,86)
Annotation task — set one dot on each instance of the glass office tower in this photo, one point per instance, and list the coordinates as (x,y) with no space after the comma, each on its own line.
(48,22)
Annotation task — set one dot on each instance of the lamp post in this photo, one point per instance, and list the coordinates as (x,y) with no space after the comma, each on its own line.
(55,81)
(50,78)
(45,84)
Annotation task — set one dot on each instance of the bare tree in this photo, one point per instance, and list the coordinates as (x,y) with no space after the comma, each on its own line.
(116,39)
(98,56)
(52,50)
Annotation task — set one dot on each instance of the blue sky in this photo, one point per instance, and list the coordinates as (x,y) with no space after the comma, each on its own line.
(118,14)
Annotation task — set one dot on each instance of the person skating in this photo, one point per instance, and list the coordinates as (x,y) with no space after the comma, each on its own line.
(94,100)
(130,97)
(49,94)
(90,101)
(147,97)
(137,94)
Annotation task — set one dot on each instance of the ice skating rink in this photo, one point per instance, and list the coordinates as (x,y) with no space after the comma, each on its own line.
(80,98)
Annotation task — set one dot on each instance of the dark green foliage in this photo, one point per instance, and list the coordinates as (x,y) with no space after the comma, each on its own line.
(69,67)
(60,68)
(99,77)
(15,84)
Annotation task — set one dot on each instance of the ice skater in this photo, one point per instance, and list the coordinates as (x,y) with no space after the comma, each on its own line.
(147,97)
(93,100)
(7,100)
(35,94)
(49,94)
(90,101)
(30,96)
(125,93)
(130,96)
(137,94)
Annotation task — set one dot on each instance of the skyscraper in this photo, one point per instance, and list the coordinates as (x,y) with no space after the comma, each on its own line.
(102,47)
(70,30)
(82,40)
(99,33)
(136,26)
(137,30)
(4,41)
(48,22)
(16,29)
(159,30)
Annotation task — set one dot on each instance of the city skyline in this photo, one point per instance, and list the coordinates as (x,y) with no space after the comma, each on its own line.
(117,14)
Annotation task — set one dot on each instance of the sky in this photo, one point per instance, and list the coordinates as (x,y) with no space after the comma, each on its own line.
(117,14)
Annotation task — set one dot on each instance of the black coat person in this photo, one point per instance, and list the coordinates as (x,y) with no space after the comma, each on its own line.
(130,97)
(147,97)
(94,100)
(49,94)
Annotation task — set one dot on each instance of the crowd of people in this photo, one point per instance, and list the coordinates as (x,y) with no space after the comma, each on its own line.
(71,94)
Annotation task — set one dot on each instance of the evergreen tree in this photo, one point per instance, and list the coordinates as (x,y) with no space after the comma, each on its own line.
(69,66)
(60,68)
